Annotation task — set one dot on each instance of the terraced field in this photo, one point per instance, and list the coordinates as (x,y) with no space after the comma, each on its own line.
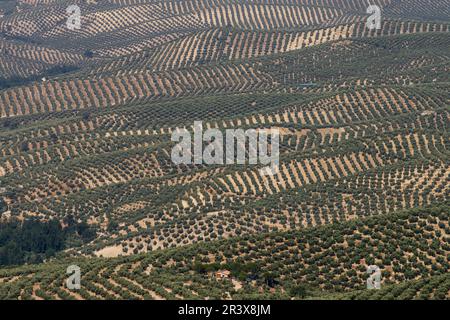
(86,121)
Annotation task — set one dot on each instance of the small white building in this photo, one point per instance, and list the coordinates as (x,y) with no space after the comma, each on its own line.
(222,274)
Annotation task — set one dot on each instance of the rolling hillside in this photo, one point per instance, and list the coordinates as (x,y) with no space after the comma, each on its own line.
(87,116)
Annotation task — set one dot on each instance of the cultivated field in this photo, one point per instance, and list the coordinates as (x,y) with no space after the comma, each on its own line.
(87,115)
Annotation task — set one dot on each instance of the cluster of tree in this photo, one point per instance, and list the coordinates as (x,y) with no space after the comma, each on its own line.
(300,291)
(77,233)
(88,54)
(18,81)
(32,241)
(241,271)
(3,205)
